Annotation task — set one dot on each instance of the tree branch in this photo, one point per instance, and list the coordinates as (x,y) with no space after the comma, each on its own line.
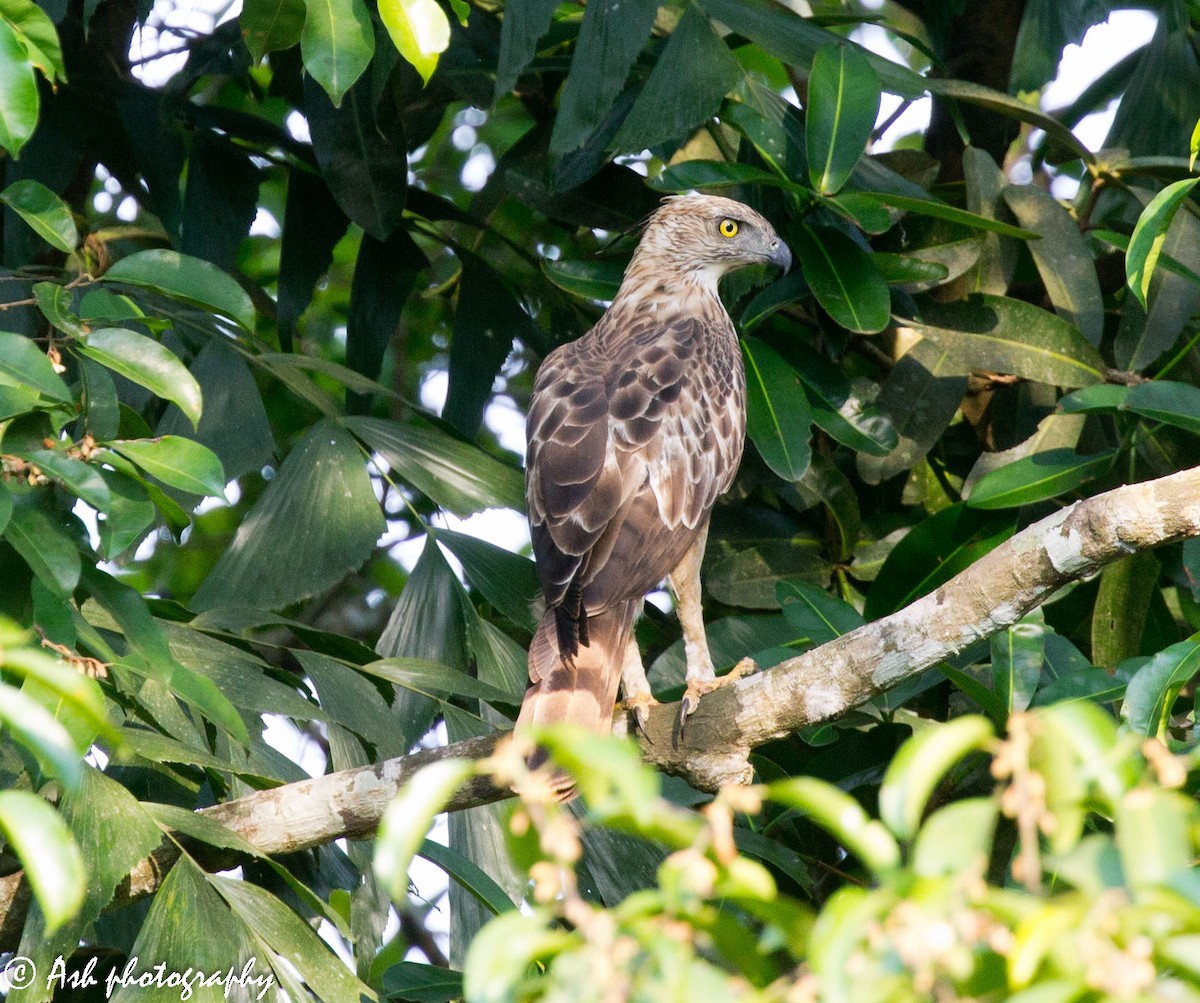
(992,594)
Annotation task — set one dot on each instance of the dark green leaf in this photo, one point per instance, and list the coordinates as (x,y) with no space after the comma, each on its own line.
(57,305)
(1087,683)
(360,151)
(717,174)
(313,223)
(271,25)
(843,102)
(749,578)
(457,475)
(1096,399)
(610,38)
(1173,403)
(1154,687)
(523,25)
(816,614)
(940,210)
(81,479)
(1123,601)
(21,360)
(507,581)
(18,92)
(130,513)
(220,200)
(844,279)
(1048,27)
(181,463)
(902,269)
(337,44)
(588,279)
(320,507)
(44,211)
(690,78)
(190,280)
(50,857)
(1038,477)
(468,875)
(46,547)
(999,334)
(777,415)
(410,980)
(147,363)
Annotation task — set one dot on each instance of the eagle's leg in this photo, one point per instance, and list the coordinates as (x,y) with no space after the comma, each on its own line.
(634,687)
(701,675)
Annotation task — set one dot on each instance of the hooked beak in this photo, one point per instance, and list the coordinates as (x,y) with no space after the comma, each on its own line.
(780,256)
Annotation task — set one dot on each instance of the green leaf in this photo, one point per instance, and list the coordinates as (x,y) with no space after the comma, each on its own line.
(51,859)
(320,508)
(919,766)
(45,545)
(610,38)
(34,727)
(1149,234)
(1173,403)
(57,305)
(37,33)
(1017,662)
(188,279)
(844,279)
(903,269)
(408,818)
(940,210)
(1123,600)
(816,614)
(337,44)
(842,816)
(750,577)
(1154,835)
(411,980)
(434,680)
(271,25)
(21,360)
(843,102)
(419,30)
(44,211)
(468,875)
(147,363)
(1096,399)
(690,78)
(81,479)
(1038,477)
(956,839)
(1066,268)
(718,174)
(457,475)
(587,279)
(506,580)
(999,334)
(180,462)
(498,960)
(522,27)
(1154,687)
(18,92)
(777,415)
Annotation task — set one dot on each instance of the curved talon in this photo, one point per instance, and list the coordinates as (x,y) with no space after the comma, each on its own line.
(696,688)
(639,706)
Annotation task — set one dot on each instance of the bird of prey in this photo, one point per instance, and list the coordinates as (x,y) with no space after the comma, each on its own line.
(634,430)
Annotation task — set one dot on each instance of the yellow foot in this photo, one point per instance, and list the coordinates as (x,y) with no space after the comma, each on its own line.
(639,705)
(697,688)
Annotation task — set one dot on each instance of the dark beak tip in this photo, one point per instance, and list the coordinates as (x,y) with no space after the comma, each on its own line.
(781,257)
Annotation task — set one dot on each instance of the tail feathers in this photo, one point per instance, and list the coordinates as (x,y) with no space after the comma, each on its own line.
(582,689)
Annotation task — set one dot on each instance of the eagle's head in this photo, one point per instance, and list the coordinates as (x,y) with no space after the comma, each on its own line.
(702,237)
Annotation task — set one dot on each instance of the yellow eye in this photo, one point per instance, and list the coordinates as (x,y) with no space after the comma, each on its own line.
(728,228)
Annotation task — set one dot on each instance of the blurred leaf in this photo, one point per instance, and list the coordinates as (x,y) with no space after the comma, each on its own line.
(180,462)
(932,553)
(1154,687)
(130,513)
(419,30)
(313,223)
(1167,401)
(999,334)
(411,980)
(44,211)
(1048,27)
(844,279)
(777,415)
(956,839)
(408,818)
(457,475)
(147,363)
(1122,603)
(190,280)
(919,766)
(271,25)
(843,102)
(46,547)
(1154,835)
(588,279)
(1017,661)
(220,200)
(1149,234)
(1062,259)
(1038,477)
(337,43)
(22,361)
(1083,684)
(610,38)
(18,92)
(467,875)
(690,78)
(320,507)
(842,817)
(39,731)
(51,859)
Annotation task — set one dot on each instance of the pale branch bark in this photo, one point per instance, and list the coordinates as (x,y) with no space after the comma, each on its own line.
(992,594)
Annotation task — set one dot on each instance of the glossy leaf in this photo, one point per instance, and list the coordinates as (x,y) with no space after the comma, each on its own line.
(1167,401)
(44,211)
(1149,234)
(180,462)
(844,279)
(46,547)
(999,334)
(19,101)
(843,102)
(81,479)
(1096,399)
(411,980)
(1038,477)
(940,210)
(187,279)
(50,857)
(816,614)
(1017,662)
(419,30)
(610,38)
(321,507)
(37,33)
(147,363)
(593,280)
(1153,689)
(271,25)
(919,766)
(23,362)
(457,475)
(777,419)
(336,44)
